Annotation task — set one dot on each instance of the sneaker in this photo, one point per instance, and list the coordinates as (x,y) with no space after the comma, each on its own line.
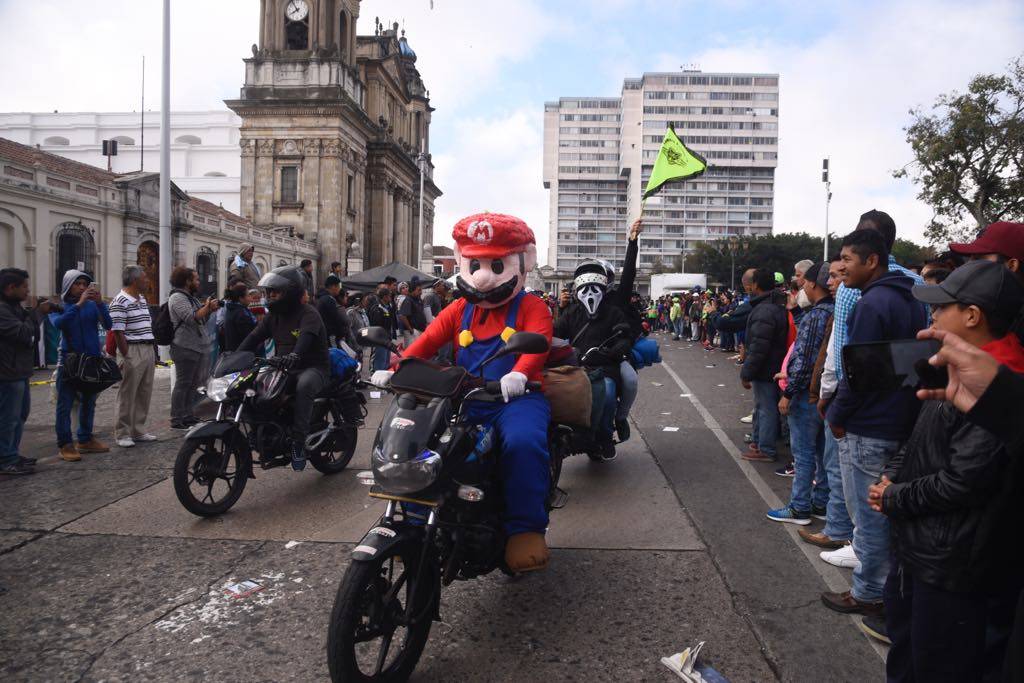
(608,452)
(622,429)
(191,421)
(819,539)
(875,627)
(69,453)
(125,443)
(146,437)
(298,457)
(845,603)
(31,462)
(789,516)
(844,557)
(819,513)
(749,419)
(787,471)
(179,425)
(757,456)
(17,467)
(748,438)
(93,445)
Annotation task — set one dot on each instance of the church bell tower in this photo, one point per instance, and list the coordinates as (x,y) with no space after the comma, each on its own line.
(304,127)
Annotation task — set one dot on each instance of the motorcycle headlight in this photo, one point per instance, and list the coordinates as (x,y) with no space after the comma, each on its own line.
(405,476)
(217,387)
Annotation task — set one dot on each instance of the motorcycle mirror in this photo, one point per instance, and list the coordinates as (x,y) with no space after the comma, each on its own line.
(374,336)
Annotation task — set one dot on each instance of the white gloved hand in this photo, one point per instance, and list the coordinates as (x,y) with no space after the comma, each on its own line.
(381,378)
(512,385)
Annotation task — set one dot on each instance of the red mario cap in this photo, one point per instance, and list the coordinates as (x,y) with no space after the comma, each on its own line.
(492,235)
(1002,238)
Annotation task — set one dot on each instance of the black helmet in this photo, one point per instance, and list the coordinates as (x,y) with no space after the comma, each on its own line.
(609,269)
(290,281)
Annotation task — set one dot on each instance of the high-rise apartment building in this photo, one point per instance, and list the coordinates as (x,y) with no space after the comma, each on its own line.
(599,152)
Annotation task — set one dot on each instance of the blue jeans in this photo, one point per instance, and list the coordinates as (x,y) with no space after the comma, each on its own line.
(838,526)
(766,416)
(607,423)
(381,358)
(862,460)
(677,327)
(807,441)
(522,427)
(86,410)
(15,403)
(628,390)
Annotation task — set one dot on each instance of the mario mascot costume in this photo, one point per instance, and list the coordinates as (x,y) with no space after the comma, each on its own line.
(495,253)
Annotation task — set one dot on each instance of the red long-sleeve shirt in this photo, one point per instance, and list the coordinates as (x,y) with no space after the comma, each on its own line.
(533,316)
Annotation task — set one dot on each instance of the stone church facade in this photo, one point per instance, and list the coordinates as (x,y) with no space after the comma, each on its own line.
(335,128)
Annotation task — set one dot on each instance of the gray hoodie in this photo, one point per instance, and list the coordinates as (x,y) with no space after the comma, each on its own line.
(69,279)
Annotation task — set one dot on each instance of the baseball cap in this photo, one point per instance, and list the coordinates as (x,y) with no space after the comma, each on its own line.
(988,285)
(998,238)
(491,235)
(818,274)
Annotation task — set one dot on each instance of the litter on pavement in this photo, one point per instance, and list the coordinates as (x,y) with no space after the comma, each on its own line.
(242,589)
(670,429)
(657,384)
(291,544)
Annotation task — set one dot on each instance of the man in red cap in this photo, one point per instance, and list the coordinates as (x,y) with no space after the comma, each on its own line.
(495,253)
(1002,242)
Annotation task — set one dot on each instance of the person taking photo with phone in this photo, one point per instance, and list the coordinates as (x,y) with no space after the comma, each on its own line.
(83,313)
(952,496)
(189,349)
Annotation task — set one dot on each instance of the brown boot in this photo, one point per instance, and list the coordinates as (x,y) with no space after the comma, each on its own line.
(93,445)
(69,453)
(526,552)
(820,539)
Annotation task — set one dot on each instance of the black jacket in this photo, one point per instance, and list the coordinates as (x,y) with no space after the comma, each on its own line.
(380,316)
(734,321)
(585,334)
(954,503)
(767,331)
(19,333)
(238,323)
(335,319)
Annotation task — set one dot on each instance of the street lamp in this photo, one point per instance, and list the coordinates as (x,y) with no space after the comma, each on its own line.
(828,199)
(733,246)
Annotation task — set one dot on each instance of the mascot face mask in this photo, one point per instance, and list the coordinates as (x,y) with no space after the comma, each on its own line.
(495,252)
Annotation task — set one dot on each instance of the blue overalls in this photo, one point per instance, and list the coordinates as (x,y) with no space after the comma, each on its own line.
(521,424)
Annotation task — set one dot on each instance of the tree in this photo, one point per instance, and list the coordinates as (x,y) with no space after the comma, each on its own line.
(969,156)
(909,254)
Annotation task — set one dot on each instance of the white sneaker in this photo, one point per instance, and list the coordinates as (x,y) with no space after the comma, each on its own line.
(748,419)
(125,443)
(146,437)
(844,557)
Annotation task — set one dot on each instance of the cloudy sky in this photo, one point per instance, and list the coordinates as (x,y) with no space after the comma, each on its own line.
(849,73)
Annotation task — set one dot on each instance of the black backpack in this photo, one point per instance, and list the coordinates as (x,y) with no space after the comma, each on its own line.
(163,329)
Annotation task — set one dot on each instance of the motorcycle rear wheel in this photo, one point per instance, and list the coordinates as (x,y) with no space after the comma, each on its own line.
(215,464)
(367,608)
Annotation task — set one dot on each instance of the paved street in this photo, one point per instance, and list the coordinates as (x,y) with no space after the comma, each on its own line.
(108,578)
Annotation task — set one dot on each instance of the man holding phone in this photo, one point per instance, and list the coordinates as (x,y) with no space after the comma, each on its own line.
(869,427)
(952,495)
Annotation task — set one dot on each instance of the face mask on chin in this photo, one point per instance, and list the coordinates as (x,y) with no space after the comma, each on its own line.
(590,296)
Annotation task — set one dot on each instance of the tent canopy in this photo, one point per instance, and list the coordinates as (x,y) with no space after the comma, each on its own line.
(368,280)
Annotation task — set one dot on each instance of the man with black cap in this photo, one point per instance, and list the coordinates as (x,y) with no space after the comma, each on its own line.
(328,306)
(1002,242)
(953,497)
(806,428)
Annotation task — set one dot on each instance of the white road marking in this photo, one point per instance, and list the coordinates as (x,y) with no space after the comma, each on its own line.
(833,578)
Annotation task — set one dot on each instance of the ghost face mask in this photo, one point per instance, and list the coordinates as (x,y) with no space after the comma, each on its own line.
(590,291)
(489,282)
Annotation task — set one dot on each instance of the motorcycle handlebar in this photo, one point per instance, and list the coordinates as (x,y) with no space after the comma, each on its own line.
(494,386)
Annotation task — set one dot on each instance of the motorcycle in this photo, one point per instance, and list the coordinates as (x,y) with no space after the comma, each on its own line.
(216,460)
(443,521)
(567,440)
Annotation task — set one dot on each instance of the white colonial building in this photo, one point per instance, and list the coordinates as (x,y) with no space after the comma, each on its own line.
(57,214)
(204,145)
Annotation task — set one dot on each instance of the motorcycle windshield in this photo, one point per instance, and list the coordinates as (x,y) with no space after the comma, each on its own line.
(233,361)
(405,457)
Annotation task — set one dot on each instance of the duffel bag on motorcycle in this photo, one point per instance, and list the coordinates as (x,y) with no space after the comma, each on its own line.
(568,390)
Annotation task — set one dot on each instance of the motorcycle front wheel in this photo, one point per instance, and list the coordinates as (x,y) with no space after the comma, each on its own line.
(210,475)
(369,637)
(338,448)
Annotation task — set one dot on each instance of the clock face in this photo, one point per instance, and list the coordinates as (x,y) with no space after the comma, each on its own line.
(296,10)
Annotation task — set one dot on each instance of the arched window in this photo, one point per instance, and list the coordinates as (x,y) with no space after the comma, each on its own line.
(296,25)
(206,268)
(124,140)
(214,174)
(57,140)
(76,250)
(189,139)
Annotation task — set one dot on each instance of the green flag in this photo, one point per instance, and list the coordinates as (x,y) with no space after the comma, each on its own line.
(674,162)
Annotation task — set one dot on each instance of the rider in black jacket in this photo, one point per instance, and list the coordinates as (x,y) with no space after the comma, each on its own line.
(589,322)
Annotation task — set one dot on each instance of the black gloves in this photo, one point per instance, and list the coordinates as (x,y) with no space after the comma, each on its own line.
(288,360)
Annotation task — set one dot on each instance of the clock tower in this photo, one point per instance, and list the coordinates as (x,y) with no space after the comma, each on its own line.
(332,125)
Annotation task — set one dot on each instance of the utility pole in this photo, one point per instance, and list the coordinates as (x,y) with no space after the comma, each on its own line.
(166,242)
(828,199)
(142,119)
